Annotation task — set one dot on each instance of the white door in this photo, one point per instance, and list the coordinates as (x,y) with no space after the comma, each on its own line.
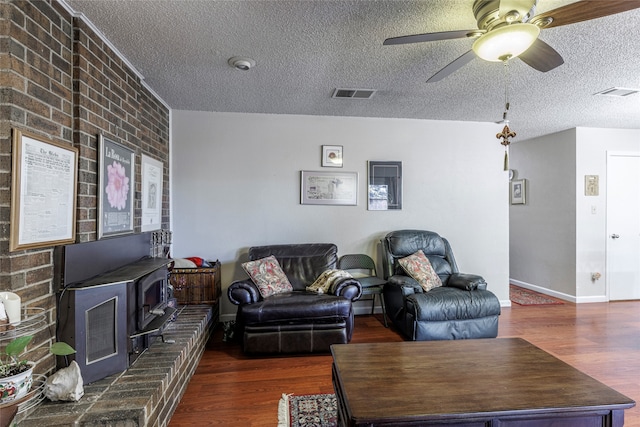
(623,226)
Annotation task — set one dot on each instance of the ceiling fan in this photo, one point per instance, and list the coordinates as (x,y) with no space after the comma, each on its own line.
(509,28)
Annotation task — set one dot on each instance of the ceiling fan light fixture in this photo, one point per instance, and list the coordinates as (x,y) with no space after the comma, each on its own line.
(506,42)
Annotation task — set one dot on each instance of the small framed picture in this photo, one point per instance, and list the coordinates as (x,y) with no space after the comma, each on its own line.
(332,156)
(518,191)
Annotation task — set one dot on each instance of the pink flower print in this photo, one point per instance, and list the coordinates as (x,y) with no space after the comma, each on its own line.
(117,186)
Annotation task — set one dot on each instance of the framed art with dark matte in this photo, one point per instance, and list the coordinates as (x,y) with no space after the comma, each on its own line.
(385,186)
(116,188)
(519,192)
(43,192)
(332,156)
(328,188)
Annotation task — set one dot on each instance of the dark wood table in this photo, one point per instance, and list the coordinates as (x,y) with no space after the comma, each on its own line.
(488,382)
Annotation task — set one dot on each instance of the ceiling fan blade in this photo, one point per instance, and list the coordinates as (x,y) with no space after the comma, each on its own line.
(453,66)
(542,57)
(429,37)
(584,11)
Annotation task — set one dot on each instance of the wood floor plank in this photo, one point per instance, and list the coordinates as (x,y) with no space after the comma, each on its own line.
(231,389)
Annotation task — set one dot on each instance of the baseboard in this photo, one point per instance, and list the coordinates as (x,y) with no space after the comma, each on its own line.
(560,295)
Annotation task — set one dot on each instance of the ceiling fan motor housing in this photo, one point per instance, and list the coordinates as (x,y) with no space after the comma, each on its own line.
(487,12)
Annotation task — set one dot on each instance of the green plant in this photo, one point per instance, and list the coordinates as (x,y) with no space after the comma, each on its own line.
(10,364)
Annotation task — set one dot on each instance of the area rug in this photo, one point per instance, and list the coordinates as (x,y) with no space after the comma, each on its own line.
(523,296)
(308,410)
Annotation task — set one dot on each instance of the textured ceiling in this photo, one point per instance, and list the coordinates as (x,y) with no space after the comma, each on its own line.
(305,49)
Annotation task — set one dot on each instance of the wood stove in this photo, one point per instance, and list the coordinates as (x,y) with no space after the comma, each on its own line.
(112,302)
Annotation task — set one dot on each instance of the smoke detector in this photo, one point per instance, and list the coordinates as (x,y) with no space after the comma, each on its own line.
(241,63)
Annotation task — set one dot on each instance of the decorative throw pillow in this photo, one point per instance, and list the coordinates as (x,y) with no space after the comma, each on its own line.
(418,266)
(324,282)
(268,276)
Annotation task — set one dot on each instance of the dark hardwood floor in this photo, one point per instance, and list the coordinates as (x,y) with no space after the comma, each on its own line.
(231,389)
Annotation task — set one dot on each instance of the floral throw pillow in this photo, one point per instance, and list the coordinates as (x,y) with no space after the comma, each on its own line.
(417,265)
(324,282)
(268,276)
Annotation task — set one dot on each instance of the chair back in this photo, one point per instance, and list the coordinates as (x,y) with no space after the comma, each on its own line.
(360,262)
(402,243)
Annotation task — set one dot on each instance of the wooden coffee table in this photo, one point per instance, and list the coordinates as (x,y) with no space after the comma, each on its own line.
(488,382)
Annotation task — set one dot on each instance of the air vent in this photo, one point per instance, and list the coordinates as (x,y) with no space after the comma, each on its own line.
(353,93)
(618,91)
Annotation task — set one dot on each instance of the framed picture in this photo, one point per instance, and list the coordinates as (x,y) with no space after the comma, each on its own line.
(518,191)
(116,188)
(332,156)
(385,186)
(152,171)
(328,188)
(43,192)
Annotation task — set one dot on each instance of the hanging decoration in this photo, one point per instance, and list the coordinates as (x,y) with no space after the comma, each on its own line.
(506,132)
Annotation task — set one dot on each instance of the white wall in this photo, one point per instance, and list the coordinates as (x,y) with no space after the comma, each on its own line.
(543,231)
(236,184)
(559,238)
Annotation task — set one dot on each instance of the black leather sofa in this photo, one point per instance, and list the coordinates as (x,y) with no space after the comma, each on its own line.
(296,321)
(461,308)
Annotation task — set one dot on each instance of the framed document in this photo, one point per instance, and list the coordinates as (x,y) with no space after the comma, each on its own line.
(328,188)
(43,192)
(116,186)
(152,171)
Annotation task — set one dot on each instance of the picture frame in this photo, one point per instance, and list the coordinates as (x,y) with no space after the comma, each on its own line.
(332,156)
(43,192)
(116,188)
(518,192)
(591,185)
(151,171)
(385,185)
(328,188)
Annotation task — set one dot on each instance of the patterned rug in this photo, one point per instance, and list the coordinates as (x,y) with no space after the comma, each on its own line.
(308,410)
(523,296)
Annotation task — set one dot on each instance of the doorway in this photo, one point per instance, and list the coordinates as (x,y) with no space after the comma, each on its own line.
(623,226)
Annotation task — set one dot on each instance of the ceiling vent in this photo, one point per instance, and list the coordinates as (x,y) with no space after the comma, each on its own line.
(618,91)
(353,93)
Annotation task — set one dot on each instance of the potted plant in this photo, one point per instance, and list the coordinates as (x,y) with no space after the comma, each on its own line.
(16,376)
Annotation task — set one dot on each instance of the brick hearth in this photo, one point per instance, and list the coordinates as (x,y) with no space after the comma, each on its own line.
(144,395)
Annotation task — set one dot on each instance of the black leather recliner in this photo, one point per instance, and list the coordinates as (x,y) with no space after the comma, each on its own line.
(297,321)
(461,308)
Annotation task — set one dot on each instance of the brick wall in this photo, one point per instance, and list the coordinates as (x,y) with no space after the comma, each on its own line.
(60,80)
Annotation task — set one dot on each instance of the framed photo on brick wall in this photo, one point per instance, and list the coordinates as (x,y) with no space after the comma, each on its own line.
(116,188)
(151,194)
(43,192)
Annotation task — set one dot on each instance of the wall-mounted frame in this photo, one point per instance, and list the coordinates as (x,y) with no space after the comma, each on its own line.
(151,171)
(332,156)
(116,188)
(328,188)
(43,192)
(591,185)
(385,186)
(518,191)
